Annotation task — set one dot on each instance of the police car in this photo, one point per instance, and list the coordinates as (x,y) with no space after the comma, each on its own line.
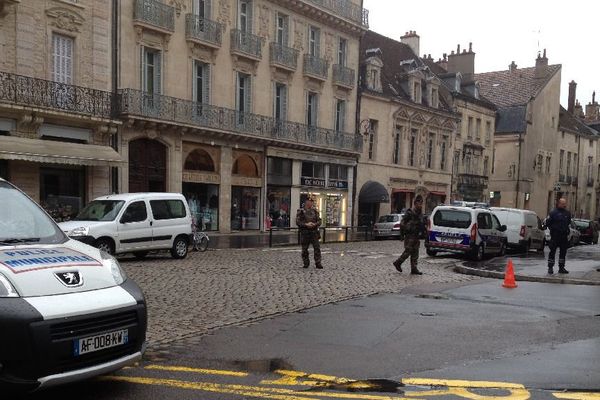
(67,310)
(468,230)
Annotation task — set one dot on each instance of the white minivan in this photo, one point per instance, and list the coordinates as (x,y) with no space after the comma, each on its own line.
(134,223)
(523,228)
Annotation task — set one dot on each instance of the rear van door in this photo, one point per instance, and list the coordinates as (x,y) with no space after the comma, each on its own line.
(450,226)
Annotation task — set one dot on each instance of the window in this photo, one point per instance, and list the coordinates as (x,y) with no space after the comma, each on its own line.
(373,79)
(495,223)
(417,92)
(167,209)
(488,132)
(312,104)
(494,160)
(413,148)
(244,96)
(484,221)
(434,98)
(460,125)
(548,164)
(575,165)
(397,140)
(569,164)
(539,162)
(199,160)
(478,129)
(452,219)
(245,16)
(280,102)
(135,212)
(201,8)
(313,170)
(590,169)
(372,137)
(561,162)
(340,115)
(314,41)
(430,149)
(281,36)
(467,162)
(201,86)
(486,161)
(456,164)
(62,58)
(470,128)
(342,50)
(443,150)
(338,172)
(151,71)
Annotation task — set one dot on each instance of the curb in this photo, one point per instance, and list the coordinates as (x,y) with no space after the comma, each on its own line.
(461,269)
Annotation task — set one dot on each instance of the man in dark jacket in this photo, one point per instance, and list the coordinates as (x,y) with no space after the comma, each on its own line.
(559,222)
(309,221)
(413,229)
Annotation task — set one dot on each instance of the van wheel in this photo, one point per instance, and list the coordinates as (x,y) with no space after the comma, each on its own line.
(479,253)
(431,253)
(502,252)
(106,245)
(180,247)
(140,255)
(527,247)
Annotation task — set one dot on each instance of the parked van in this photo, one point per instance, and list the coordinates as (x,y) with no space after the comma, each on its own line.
(68,312)
(468,230)
(523,228)
(134,223)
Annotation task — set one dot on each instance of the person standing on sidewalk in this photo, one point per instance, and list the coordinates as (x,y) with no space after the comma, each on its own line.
(308,221)
(559,222)
(412,227)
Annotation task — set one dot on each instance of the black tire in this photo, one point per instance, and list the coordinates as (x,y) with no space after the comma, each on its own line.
(202,244)
(180,247)
(543,246)
(431,253)
(479,253)
(502,251)
(140,255)
(527,247)
(106,245)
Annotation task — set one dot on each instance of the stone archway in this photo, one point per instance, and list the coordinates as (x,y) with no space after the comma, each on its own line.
(147,166)
(245,165)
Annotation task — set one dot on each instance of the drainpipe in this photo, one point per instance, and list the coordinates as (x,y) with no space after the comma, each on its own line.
(578,183)
(114,171)
(518,173)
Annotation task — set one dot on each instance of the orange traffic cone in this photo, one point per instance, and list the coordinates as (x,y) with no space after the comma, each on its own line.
(509,276)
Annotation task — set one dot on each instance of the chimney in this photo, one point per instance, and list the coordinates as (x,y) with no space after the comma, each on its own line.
(592,110)
(579,110)
(572,97)
(462,62)
(411,39)
(443,62)
(512,67)
(541,63)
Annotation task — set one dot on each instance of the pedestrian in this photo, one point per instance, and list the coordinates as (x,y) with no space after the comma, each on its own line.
(559,222)
(308,221)
(412,228)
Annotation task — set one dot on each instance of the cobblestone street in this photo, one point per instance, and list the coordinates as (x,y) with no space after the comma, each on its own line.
(224,287)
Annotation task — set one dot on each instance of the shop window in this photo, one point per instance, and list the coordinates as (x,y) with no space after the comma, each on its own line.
(278,206)
(62,192)
(313,170)
(199,160)
(203,201)
(279,171)
(244,208)
(245,166)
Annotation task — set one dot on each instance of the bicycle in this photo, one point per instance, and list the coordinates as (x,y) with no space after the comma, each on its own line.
(199,238)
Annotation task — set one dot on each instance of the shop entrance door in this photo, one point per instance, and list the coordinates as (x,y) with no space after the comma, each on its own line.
(147,166)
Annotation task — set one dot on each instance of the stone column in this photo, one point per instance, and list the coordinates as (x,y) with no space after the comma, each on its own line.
(225,190)
(295,192)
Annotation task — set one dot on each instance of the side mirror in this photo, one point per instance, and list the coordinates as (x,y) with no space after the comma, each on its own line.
(126,218)
(502,228)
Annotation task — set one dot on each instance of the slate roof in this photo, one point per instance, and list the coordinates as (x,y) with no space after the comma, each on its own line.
(568,121)
(511,119)
(506,88)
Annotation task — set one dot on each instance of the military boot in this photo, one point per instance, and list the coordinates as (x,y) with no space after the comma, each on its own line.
(415,271)
(398,265)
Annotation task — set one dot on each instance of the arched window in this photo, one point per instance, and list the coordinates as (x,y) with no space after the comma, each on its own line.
(245,166)
(199,160)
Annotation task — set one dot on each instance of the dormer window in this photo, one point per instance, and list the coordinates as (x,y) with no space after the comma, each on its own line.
(417,92)
(373,74)
(476,90)
(434,98)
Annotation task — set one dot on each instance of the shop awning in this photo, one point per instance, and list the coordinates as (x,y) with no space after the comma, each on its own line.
(47,151)
(434,193)
(373,192)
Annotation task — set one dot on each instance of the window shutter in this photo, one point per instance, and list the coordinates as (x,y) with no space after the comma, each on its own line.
(284,95)
(275,100)
(343,117)
(143,69)
(195,81)
(206,84)
(68,57)
(62,59)
(286,27)
(237,91)
(250,20)
(248,93)
(56,58)
(306,102)
(316,110)
(208,9)
(157,73)
(317,42)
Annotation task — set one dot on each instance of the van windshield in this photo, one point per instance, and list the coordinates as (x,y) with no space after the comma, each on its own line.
(100,210)
(23,221)
(452,219)
(389,218)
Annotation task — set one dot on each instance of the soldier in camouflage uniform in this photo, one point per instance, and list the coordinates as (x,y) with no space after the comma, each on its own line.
(308,221)
(413,229)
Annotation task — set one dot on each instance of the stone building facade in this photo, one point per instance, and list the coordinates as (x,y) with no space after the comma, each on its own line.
(56,122)
(245,106)
(409,129)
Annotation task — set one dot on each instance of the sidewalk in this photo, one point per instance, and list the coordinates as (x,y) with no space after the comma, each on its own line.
(583,264)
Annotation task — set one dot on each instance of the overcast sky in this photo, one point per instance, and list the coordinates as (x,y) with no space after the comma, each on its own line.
(503,31)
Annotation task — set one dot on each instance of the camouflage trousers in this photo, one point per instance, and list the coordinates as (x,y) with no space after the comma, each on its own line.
(411,249)
(306,239)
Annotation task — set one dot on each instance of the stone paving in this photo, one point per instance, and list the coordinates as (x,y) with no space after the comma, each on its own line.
(218,288)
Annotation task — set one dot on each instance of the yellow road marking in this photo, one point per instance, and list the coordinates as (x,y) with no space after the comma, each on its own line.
(292,378)
(515,394)
(577,395)
(461,383)
(250,391)
(196,370)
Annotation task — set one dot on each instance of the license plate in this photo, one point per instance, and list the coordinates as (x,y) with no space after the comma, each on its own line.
(99,342)
(445,239)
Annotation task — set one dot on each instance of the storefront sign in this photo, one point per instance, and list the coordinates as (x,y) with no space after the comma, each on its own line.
(199,177)
(338,184)
(312,182)
(245,181)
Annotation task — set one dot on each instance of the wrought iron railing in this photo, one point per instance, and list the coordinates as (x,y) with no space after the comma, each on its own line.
(137,103)
(203,29)
(246,43)
(284,55)
(315,66)
(562,178)
(346,9)
(343,75)
(34,92)
(155,13)
(473,180)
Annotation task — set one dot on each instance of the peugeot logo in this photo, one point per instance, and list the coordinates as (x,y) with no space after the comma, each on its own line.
(70,279)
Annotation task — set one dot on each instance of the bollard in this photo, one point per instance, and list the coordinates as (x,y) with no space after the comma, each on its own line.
(271,237)
(346,235)
(324,232)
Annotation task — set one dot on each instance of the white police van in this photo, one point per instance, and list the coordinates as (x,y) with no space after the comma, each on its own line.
(468,230)
(67,310)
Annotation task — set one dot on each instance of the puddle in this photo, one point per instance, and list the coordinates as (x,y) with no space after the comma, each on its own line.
(263,366)
(363,386)
(434,296)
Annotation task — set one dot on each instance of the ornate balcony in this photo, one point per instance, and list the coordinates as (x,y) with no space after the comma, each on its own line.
(562,178)
(315,67)
(203,31)
(472,181)
(40,93)
(136,104)
(344,76)
(284,57)
(346,9)
(155,15)
(246,44)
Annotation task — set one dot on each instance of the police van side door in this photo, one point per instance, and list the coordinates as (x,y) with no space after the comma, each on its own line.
(484,225)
